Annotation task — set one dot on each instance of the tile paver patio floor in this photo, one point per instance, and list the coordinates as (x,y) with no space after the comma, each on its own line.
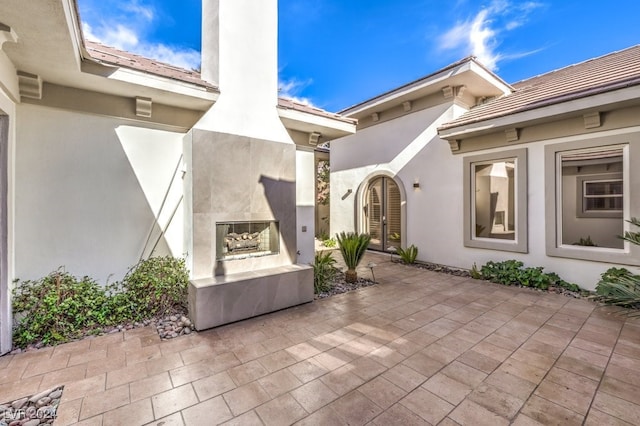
(419,348)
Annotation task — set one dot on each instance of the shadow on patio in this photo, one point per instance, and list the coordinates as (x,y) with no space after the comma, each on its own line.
(419,348)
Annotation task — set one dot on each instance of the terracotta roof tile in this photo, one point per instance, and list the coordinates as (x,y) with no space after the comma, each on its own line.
(285,103)
(606,73)
(121,58)
(113,56)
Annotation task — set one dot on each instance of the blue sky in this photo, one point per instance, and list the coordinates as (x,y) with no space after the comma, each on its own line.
(337,53)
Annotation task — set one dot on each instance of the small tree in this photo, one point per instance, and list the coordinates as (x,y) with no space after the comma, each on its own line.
(352,246)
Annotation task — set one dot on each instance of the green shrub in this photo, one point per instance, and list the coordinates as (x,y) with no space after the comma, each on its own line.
(352,246)
(61,307)
(322,235)
(507,272)
(330,243)
(155,286)
(57,308)
(512,272)
(409,254)
(324,271)
(585,242)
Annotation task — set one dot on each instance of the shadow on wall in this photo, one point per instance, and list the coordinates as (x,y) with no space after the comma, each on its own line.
(281,197)
(395,141)
(85,199)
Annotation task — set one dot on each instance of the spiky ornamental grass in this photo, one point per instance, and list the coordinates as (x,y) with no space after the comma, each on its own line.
(632,237)
(618,286)
(409,254)
(352,246)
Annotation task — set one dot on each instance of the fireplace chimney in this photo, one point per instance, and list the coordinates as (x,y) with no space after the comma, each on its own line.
(240,180)
(240,56)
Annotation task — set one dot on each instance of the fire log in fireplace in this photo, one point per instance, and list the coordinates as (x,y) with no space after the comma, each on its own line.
(238,240)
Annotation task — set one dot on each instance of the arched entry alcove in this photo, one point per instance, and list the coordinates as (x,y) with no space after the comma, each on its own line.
(381,211)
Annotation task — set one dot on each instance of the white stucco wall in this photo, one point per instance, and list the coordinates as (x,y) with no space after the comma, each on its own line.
(435,210)
(88,193)
(305,205)
(240,56)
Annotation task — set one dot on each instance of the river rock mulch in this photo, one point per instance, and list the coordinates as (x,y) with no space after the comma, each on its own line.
(173,326)
(168,327)
(32,410)
(340,285)
(459,272)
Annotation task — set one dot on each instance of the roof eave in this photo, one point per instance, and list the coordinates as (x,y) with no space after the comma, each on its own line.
(542,112)
(436,81)
(329,127)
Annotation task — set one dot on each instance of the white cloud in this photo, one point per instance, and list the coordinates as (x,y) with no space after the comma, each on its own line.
(125,29)
(120,37)
(183,58)
(290,89)
(479,35)
(145,12)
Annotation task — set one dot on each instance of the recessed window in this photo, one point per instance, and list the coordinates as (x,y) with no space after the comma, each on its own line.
(593,216)
(588,184)
(495,201)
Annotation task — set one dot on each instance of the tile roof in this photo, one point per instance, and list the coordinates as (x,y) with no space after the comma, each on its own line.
(121,58)
(286,103)
(113,56)
(606,73)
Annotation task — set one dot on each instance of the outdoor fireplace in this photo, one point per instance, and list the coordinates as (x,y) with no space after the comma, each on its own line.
(240,240)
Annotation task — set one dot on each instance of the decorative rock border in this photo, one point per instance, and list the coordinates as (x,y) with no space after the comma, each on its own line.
(340,285)
(34,410)
(173,326)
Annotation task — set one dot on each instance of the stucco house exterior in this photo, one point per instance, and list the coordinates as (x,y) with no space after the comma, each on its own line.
(470,169)
(108,157)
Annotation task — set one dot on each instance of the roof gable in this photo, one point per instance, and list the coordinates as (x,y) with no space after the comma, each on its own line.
(599,75)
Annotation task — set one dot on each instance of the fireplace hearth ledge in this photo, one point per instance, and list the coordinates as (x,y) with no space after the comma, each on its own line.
(224,299)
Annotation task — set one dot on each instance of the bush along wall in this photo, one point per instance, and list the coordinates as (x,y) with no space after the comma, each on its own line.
(61,307)
(513,272)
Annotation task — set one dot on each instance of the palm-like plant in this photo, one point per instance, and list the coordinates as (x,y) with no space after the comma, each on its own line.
(409,254)
(632,237)
(352,246)
(618,286)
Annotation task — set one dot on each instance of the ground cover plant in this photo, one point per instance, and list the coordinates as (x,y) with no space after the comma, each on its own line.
(513,272)
(61,307)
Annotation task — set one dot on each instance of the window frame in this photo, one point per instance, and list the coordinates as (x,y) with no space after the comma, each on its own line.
(581,207)
(629,254)
(520,243)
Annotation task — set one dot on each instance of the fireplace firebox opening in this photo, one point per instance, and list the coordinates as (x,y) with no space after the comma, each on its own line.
(241,240)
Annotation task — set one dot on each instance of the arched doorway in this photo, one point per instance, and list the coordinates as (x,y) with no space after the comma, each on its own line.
(382,208)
